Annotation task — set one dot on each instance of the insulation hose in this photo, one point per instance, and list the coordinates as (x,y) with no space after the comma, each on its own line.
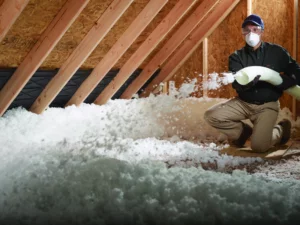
(247,74)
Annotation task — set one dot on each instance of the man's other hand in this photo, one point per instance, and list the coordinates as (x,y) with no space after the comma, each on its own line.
(287,82)
(251,84)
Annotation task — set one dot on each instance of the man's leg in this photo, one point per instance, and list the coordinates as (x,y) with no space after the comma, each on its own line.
(226,117)
(265,133)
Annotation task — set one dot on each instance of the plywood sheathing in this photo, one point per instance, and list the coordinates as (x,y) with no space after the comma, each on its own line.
(298,56)
(150,28)
(298,37)
(39,13)
(10,10)
(79,29)
(27,30)
(87,19)
(170,34)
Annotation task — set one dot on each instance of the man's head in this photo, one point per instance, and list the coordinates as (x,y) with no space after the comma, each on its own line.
(252,29)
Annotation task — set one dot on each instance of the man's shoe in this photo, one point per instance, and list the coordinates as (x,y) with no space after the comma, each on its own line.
(286,131)
(246,133)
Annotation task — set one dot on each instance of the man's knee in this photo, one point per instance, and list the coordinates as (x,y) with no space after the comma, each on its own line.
(210,116)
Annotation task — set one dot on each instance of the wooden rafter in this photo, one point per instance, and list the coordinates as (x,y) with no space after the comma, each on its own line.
(40,51)
(116,52)
(80,54)
(249,7)
(218,14)
(205,65)
(145,49)
(183,31)
(9,12)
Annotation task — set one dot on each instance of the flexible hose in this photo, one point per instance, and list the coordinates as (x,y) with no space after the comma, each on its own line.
(247,74)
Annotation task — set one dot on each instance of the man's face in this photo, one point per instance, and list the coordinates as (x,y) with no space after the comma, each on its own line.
(251,28)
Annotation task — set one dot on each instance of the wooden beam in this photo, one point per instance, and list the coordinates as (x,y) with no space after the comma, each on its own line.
(218,14)
(165,88)
(205,66)
(177,38)
(116,52)
(40,51)
(80,54)
(9,12)
(145,49)
(249,7)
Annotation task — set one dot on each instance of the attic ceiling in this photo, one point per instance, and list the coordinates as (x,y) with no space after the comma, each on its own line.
(103,36)
(38,14)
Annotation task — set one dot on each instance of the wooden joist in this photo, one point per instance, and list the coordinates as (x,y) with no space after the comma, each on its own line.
(205,66)
(80,54)
(249,7)
(116,52)
(179,36)
(145,49)
(207,26)
(9,12)
(40,51)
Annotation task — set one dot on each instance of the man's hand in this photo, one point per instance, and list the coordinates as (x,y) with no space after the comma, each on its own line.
(251,84)
(287,82)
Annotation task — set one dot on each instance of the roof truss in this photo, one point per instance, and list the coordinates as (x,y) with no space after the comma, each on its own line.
(118,50)
(177,38)
(145,49)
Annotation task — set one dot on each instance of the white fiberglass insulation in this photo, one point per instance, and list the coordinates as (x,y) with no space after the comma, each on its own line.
(110,164)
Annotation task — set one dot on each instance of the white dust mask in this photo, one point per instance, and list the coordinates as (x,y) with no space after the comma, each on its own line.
(252,39)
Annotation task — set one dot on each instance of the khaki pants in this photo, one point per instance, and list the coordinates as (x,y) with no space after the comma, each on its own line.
(226,117)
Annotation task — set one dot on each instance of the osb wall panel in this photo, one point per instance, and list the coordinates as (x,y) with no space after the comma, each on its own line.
(76,33)
(26,31)
(171,33)
(85,22)
(81,27)
(298,35)
(191,69)
(223,42)
(278,28)
(39,13)
(149,29)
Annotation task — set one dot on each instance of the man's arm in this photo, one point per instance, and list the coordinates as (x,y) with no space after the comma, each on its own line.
(235,65)
(291,74)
